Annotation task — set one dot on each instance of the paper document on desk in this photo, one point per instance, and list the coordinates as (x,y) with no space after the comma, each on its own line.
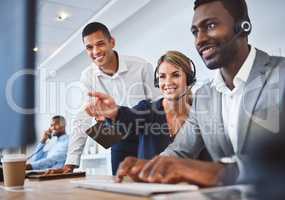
(142,189)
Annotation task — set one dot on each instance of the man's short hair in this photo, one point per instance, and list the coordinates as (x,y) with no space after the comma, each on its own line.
(237,8)
(94,27)
(60,118)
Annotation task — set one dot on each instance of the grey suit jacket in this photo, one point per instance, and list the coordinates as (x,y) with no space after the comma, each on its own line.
(258,114)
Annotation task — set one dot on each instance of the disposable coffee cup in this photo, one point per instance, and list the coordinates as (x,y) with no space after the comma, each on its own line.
(14,166)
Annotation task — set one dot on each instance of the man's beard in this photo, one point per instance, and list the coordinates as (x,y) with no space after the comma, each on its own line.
(224,56)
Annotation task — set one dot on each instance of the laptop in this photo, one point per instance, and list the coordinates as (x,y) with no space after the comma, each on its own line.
(140,189)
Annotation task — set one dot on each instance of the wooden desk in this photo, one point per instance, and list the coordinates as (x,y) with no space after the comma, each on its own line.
(61,189)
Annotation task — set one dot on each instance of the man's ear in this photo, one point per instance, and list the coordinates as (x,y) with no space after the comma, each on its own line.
(113,42)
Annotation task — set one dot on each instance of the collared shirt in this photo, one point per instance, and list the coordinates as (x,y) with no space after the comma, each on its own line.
(132,83)
(231,99)
(51,154)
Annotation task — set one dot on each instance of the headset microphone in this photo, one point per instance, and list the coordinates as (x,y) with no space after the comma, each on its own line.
(241,28)
(186,92)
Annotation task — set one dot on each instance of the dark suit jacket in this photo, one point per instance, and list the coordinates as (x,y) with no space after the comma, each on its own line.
(146,132)
(147,121)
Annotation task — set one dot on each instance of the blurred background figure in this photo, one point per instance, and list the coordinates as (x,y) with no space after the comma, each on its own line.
(52,149)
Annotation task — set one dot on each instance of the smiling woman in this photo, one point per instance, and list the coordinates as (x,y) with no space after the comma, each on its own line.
(155,123)
(175,66)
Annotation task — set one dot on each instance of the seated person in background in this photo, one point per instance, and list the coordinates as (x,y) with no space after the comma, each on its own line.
(53,154)
(156,123)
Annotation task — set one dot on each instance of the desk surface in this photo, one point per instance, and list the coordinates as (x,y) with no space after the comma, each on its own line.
(64,190)
(61,189)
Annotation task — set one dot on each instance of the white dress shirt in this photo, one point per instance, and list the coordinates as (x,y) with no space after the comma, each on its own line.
(231,99)
(132,83)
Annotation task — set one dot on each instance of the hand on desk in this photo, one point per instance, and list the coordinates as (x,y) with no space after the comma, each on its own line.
(165,169)
(131,167)
(66,169)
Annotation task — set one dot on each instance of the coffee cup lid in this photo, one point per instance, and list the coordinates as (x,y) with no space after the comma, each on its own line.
(13,158)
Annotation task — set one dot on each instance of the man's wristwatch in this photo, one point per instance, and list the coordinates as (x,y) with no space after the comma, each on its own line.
(231,170)
(228,160)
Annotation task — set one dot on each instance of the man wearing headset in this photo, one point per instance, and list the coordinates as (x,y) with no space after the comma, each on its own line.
(228,113)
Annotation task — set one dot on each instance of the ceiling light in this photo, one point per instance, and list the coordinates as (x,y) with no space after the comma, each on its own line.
(62,16)
(35,49)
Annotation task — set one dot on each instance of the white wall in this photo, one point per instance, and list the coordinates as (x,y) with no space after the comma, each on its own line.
(160,26)
(59,92)
(165,24)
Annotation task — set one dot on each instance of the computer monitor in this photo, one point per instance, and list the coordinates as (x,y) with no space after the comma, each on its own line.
(17,39)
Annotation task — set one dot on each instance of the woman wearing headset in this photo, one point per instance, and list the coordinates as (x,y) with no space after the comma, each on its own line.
(156,123)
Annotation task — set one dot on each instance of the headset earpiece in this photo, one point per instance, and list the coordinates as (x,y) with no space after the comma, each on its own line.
(156,81)
(246,26)
(243,27)
(192,77)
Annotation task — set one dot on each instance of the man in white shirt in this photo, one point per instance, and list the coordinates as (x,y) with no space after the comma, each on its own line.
(228,114)
(231,98)
(128,79)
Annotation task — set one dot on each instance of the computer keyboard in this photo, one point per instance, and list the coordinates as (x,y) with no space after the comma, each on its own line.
(142,189)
